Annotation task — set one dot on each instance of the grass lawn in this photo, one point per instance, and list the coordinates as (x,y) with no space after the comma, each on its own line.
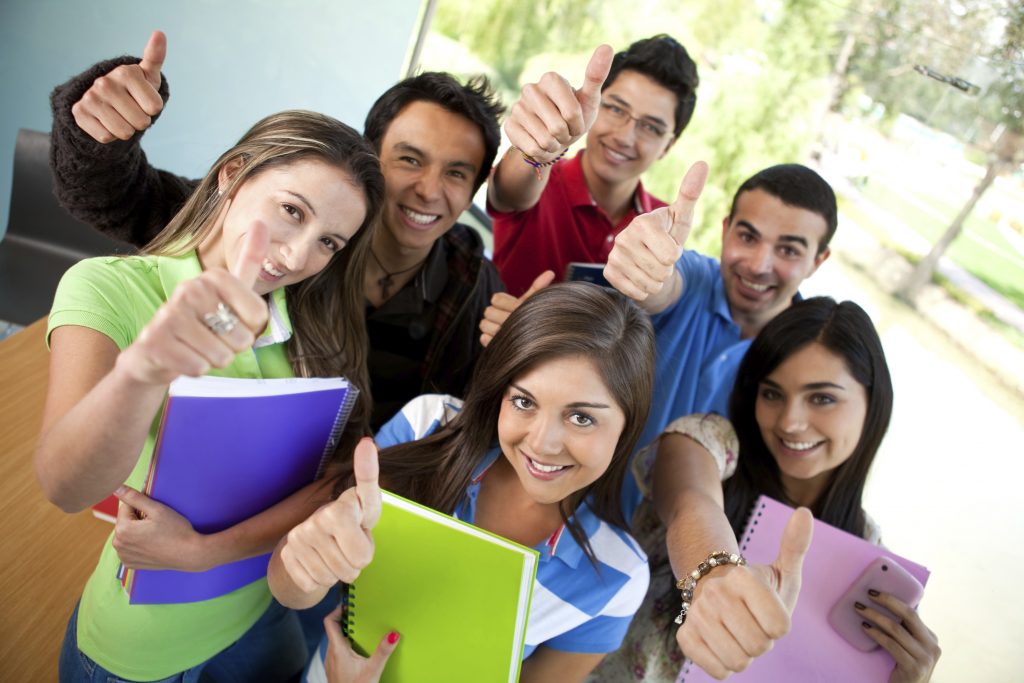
(854,212)
(980,249)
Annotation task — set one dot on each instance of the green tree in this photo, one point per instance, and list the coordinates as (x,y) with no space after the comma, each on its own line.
(507,34)
(764,71)
(760,85)
(1004,108)
(893,36)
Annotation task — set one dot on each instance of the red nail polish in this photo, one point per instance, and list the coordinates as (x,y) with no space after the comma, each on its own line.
(872,592)
(865,624)
(392,637)
(858,605)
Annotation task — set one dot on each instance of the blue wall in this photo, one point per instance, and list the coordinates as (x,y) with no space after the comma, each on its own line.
(228,64)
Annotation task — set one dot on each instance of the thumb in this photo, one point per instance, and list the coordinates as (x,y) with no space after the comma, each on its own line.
(366,469)
(541,281)
(589,94)
(681,210)
(137,500)
(788,565)
(332,627)
(375,667)
(153,57)
(249,261)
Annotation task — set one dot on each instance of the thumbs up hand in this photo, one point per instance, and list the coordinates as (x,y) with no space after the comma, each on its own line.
(784,574)
(336,542)
(642,262)
(738,612)
(551,115)
(125,100)
(206,322)
(504,304)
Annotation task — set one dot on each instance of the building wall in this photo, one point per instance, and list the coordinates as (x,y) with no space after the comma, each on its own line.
(229,63)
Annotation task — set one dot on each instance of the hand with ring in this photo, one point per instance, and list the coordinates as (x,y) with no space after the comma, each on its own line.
(221,321)
(205,323)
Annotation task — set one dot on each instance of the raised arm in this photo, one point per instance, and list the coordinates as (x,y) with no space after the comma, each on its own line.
(641,265)
(101,402)
(334,544)
(737,611)
(101,175)
(549,116)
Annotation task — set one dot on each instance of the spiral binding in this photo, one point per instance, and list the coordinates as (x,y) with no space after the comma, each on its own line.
(751,526)
(340,420)
(348,610)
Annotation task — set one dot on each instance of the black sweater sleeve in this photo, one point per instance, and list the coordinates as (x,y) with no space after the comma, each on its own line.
(110,186)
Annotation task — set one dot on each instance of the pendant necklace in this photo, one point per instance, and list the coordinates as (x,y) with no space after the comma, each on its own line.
(388,279)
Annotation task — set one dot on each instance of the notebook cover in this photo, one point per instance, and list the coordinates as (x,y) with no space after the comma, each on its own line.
(812,651)
(220,460)
(458,595)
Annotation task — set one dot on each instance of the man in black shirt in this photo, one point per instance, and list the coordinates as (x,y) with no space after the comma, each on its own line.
(427,282)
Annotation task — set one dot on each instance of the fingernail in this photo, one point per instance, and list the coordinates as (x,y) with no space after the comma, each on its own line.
(858,605)
(873,593)
(121,490)
(865,624)
(392,637)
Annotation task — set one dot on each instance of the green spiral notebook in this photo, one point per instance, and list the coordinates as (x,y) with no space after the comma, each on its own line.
(458,595)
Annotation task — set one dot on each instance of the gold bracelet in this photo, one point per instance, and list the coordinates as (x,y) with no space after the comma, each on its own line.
(688,583)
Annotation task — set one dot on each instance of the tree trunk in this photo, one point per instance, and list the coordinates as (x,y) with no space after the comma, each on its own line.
(923,271)
(837,81)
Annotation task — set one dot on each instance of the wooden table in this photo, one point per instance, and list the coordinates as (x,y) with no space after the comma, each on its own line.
(47,555)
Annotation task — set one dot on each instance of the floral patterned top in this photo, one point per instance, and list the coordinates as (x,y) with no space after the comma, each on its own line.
(649,652)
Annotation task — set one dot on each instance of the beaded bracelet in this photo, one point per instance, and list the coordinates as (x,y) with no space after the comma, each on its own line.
(688,583)
(538,165)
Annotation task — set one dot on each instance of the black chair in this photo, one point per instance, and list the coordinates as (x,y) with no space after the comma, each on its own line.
(43,240)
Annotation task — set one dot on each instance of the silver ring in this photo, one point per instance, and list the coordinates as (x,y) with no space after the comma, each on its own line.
(221,321)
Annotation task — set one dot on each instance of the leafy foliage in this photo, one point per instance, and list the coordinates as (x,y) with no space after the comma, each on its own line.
(764,68)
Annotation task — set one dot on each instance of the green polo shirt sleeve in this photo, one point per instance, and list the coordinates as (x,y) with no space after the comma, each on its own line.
(118,296)
(112,295)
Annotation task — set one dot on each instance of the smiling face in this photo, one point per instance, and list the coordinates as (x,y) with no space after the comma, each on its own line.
(558,428)
(430,158)
(311,210)
(768,249)
(620,148)
(811,412)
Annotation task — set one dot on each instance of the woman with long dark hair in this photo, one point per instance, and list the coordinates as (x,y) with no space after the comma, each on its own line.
(811,404)
(537,453)
(259,275)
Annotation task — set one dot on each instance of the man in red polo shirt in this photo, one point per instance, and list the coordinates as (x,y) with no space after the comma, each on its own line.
(549,212)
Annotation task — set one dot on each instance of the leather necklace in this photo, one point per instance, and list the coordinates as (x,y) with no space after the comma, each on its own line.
(388,279)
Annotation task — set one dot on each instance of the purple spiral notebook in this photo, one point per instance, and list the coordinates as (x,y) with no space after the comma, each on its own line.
(812,651)
(228,449)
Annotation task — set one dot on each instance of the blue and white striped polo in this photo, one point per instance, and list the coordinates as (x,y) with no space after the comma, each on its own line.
(576,607)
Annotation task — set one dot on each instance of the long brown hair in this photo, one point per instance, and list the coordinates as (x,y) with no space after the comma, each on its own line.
(569,319)
(326,310)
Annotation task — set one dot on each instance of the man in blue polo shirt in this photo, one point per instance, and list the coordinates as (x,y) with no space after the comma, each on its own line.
(705,311)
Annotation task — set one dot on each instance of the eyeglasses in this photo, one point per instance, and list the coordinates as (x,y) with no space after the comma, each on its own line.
(645,129)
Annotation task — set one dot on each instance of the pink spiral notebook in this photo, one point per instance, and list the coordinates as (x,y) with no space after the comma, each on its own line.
(812,651)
